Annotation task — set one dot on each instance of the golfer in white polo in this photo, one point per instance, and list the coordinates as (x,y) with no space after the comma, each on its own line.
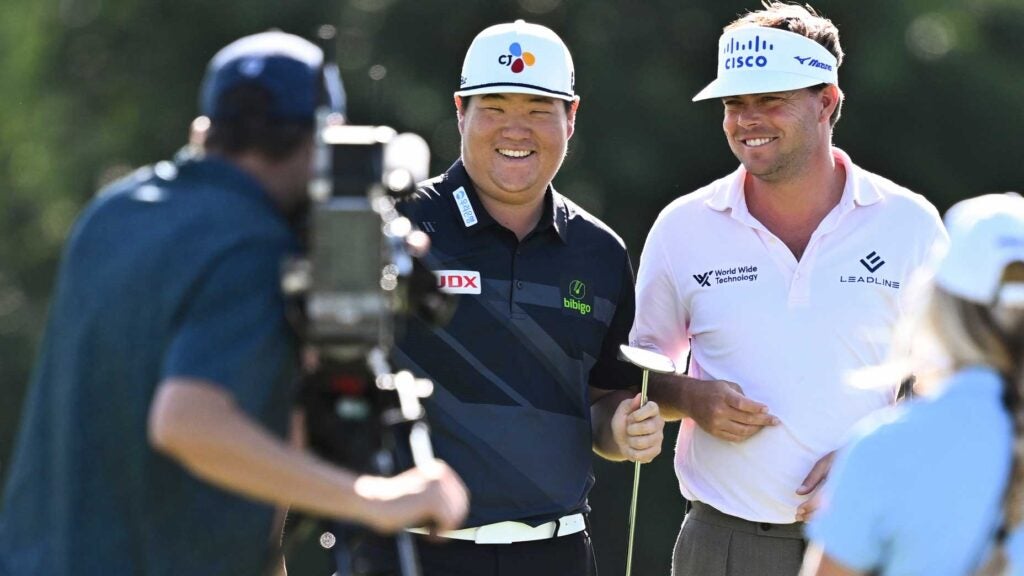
(776,281)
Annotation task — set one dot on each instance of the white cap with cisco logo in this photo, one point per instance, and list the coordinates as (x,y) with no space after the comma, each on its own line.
(986,234)
(518,58)
(756,60)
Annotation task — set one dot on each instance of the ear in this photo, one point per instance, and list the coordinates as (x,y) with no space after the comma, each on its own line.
(571,117)
(460,113)
(831,96)
(197,132)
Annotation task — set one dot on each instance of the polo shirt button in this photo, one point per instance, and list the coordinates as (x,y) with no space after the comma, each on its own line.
(766,526)
(519,284)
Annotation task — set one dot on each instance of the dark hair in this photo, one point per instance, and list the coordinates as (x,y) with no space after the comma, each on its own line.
(252,128)
(802,20)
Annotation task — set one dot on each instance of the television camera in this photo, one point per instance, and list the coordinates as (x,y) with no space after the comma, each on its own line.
(360,277)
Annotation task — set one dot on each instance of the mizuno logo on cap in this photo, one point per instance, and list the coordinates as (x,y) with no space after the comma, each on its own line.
(812,62)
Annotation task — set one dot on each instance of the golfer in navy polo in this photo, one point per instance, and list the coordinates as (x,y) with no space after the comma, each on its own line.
(526,373)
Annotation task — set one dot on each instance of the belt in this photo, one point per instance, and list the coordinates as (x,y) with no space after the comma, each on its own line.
(511,532)
(708,514)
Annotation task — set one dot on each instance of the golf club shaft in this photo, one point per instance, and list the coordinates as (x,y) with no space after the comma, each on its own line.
(636,488)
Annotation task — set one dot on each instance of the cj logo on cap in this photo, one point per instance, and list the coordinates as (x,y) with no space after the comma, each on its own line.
(517,59)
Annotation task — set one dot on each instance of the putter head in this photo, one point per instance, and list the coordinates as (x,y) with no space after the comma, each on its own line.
(647,360)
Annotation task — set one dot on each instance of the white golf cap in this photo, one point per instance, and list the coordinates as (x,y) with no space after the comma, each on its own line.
(985,234)
(519,58)
(755,60)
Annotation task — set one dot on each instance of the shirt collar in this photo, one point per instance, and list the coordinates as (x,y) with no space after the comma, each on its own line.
(559,214)
(975,379)
(456,178)
(554,215)
(217,171)
(857,190)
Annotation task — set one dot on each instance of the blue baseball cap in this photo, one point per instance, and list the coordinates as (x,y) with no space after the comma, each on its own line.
(287,66)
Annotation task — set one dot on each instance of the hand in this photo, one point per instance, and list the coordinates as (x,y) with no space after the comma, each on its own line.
(430,495)
(720,409)
(638,430)
(813,481)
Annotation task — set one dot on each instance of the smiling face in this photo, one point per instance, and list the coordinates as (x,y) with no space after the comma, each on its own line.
(775,135)
(514,144)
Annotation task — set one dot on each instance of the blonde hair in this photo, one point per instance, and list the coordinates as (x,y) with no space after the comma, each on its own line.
(975,334)
(803,20)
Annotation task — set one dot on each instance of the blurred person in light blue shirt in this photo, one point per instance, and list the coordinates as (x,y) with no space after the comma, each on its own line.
(937,486)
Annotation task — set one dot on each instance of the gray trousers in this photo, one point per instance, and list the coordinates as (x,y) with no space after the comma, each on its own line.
(711,543)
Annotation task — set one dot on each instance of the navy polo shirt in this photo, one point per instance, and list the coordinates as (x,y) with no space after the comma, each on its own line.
(171,272)
(537,322)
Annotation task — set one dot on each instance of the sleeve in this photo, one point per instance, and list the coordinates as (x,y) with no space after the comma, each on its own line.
(231,329)
(611,373)
(929,252)
(850,525)
(661,322)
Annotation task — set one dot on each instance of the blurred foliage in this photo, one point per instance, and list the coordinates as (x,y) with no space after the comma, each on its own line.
(934,100)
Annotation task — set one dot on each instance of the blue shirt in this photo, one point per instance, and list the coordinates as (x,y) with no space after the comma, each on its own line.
(538,321)
(174,275)
(919,490)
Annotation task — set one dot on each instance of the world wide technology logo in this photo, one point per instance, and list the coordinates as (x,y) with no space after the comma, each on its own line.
(517,59)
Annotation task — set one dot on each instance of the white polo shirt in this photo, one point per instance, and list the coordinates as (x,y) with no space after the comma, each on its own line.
(714,282)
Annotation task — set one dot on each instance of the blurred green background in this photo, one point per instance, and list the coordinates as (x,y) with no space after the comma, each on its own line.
(91,88)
